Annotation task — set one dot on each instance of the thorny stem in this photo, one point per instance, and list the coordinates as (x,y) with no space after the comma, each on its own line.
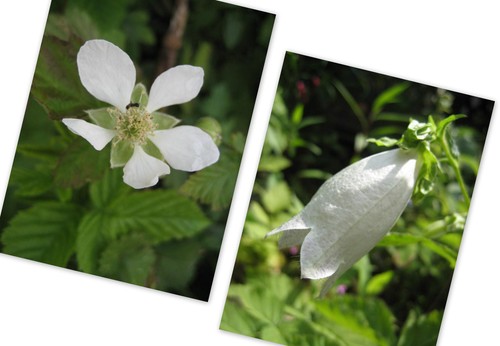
(456,168)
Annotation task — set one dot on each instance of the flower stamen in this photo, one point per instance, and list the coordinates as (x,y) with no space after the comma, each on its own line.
(135,125)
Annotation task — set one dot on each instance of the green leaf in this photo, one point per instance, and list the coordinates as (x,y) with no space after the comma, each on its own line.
(80,163)
(128,259)
(443,124)
(420,329)
(273,163)
(177,264)
(46,232)
(161,215)
(388,96)
(215,184)
(355,108)
(277,198)
(259,303)
(237,320)
(378,282)
(398,239)
(90,241)
(108,15)
(110,188)
(56,84)
(164,215)
(31,182)
(297,114)
(358,321)
(442,250)
(233,30)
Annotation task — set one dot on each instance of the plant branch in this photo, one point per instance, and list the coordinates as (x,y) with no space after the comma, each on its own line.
(172,40)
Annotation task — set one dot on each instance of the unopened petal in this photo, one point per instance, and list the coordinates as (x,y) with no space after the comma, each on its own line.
(175,86)
(353,210)
(186,148)
(95,135)
(106,72)
(142,170)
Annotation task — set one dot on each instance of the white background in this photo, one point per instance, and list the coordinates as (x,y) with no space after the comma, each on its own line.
(451,44)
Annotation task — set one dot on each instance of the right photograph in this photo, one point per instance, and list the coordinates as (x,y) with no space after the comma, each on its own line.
(358,209)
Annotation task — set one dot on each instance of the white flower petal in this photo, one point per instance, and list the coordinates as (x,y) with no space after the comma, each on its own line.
(292,232)
(175,86)
(143,170)
(95,135)
(106,72)
(186,148)
(353,210)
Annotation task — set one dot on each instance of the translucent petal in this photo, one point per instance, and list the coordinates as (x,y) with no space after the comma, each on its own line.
(175,86)
(142,170)
(186,148)
(106,72)
(95,135)
(353,210)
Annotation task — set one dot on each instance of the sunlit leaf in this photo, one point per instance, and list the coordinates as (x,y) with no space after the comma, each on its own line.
(378,282)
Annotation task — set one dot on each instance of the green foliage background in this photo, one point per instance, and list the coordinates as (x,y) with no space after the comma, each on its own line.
(64,206)
(322,115)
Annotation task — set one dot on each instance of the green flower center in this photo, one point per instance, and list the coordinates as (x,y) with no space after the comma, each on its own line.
(134,126)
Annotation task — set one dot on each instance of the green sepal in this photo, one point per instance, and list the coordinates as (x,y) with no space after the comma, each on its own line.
(140,95)
(121,152)
(419,136)
(164,121)
(427,173)
(151,149)
(102,118)
(416,133)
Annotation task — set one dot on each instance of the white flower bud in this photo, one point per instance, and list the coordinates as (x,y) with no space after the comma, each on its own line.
(350,213)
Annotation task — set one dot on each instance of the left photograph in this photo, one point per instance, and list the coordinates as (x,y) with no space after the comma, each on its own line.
(132,139)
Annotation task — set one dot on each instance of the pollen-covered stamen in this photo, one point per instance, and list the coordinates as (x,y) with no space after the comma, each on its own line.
(134,126)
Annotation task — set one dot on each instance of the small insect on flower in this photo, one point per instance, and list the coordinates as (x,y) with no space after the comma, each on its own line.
(135,104)
(350,213)
(144,141)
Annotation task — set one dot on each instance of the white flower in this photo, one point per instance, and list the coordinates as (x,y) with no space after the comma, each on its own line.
(350,213)
(143,139)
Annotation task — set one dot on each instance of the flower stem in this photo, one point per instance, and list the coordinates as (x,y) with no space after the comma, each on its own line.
(456,168)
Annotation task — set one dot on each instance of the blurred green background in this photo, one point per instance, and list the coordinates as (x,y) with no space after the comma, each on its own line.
(65,206)
(322,115)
